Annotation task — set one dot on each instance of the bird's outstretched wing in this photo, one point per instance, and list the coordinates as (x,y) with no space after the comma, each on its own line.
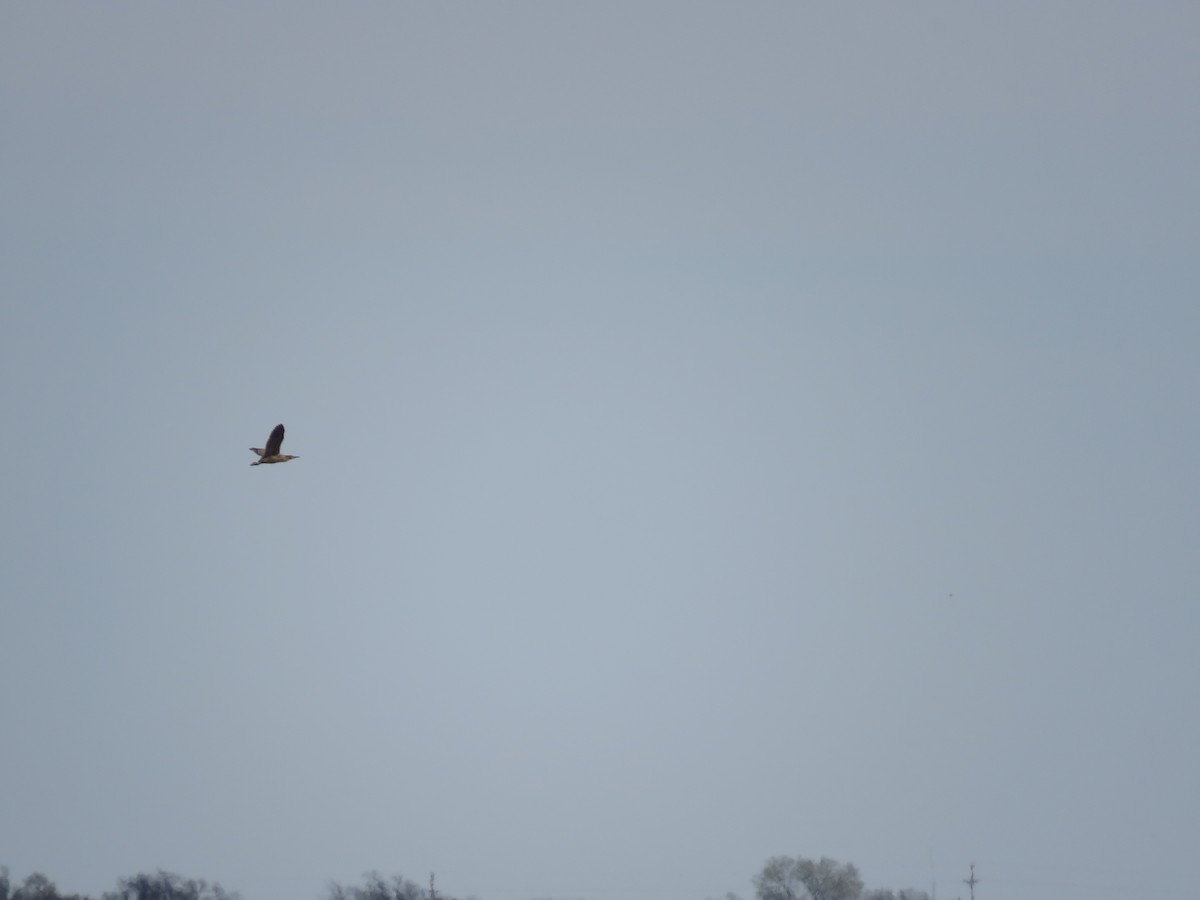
(275,441)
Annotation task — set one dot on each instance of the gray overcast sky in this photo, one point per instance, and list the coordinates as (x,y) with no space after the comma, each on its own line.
(725,430)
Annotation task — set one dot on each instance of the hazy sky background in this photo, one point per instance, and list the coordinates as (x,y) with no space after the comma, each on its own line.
(725,430)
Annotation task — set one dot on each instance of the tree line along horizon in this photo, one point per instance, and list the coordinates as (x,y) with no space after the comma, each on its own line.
(781,878)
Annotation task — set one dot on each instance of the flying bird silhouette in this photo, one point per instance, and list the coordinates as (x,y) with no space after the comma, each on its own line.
(271,454)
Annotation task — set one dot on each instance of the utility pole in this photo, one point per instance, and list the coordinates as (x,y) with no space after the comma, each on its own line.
(432,892)
(972,881)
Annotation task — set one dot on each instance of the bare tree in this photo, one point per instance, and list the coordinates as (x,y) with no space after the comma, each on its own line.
(797,878)
(376,887)
(36,886)
(168,886)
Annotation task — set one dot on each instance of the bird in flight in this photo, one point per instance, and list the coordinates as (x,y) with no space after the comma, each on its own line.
(272,454)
